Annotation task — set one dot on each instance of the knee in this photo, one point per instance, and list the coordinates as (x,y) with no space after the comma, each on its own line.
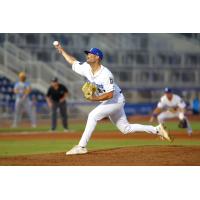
(181,115)
(160,118)
(93,116)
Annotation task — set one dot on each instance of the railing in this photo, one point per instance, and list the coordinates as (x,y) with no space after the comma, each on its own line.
(137,78)
(13,60)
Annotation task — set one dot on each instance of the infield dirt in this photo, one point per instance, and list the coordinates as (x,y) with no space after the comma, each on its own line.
(127,156)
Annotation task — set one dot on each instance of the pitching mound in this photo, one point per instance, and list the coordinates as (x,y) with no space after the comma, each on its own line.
(132,156)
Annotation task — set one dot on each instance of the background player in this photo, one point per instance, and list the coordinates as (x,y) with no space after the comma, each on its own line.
(56,99)
(171,106)
(110,96)
(22,89)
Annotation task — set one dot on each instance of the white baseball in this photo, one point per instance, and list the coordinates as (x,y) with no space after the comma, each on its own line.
(55,43)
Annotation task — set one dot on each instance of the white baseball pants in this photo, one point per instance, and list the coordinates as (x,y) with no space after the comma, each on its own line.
(169,115)
(115,112)
(21,104)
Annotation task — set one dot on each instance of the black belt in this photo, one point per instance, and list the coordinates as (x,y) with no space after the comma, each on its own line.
(120,91)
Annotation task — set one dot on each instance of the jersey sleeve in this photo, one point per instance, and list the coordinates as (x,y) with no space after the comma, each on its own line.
(181,103)
(160,104)
(48,94)
(79,67)
(109,84)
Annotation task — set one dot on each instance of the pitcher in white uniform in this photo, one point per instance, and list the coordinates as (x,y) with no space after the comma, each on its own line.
(171,106)
(110,96)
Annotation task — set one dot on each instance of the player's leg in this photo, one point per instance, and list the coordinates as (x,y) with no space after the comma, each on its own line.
(163,116)
(17,113)
(34,116)
(107,110)
(100,112)
(120,120)
(54,116)
(28,109)
(63,113)
(182,116)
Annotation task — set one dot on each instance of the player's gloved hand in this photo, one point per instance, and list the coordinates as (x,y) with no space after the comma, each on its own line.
(88,90)
(182,123)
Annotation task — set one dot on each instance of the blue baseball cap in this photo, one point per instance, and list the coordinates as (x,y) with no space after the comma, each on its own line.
(96,52)
(168,90)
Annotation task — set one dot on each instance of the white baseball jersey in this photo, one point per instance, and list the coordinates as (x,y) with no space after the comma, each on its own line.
(166,104)
(103,79)
(21,87)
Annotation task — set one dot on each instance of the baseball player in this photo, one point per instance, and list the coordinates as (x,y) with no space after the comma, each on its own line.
(56,99)
(171,106)
(108,94)
(22,90)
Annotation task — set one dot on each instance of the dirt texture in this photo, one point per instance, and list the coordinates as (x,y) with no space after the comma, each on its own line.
(128,156)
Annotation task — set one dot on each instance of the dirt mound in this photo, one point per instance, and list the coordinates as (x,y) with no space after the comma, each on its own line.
(132,156)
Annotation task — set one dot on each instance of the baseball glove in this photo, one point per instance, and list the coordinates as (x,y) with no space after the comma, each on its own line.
(88,89)
(182,123)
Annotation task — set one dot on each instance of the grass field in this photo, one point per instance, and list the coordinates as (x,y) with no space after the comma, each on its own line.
(100,127)
(10,147)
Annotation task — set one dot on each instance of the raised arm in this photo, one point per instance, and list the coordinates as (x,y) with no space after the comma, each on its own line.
(70,59)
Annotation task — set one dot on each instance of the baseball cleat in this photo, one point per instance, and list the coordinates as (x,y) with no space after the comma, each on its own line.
(189,132)
(77,150)
(162,132)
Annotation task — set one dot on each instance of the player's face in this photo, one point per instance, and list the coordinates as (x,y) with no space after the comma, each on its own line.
(169,96)
(22,78)
(55,85)
(91,58)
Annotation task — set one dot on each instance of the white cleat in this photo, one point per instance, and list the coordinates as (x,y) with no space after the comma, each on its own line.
(189,132)
(77,150)
(162,132)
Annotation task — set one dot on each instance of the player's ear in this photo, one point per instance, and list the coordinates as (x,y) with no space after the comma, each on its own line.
(99,59)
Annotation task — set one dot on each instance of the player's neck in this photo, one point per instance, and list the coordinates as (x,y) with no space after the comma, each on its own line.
(95,67)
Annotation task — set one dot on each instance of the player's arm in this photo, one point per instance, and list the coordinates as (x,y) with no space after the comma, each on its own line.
(27,91)
(181,106)
(108,84)
(70,59)
(48,98)
(16,91)
(155,113)
(64,97)
(49,102)
(103,97)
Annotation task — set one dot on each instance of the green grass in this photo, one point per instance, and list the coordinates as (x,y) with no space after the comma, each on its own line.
(11,148)
(100,127)
(25,147)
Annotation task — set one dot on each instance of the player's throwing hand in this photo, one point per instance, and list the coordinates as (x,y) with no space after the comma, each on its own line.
(58,46)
